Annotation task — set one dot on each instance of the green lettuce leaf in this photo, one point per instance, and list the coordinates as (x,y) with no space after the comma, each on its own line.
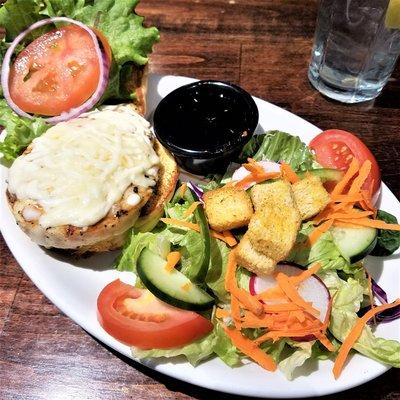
(224,348)
(215,278)
(215,342)
(194,352)
(139,241)
(274,349)
(20,132)
(17,15)
(388,241)
(347,299)
(251,147)
(281,146)
(302,352)
(320,352)
(323,251)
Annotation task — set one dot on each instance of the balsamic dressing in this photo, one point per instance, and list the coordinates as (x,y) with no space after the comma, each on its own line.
(205,120)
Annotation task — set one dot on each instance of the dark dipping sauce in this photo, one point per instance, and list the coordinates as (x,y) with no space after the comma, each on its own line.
(205,124)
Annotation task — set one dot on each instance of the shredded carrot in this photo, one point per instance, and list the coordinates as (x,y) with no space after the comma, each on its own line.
(178,222)
(266,322)
(221,313)
(191,209)
(182,189)
(325,213)
(288,173)
(250,320)
(229,238)
(346,198)
(362,176)
(348,176)
(186,286)
(256,178)
(247,300)
(355,334)
(172,259)
(253,167)
(351,215)
(342,207)
(297,279)
(325,341)
(319,231)
(373,223)
(299,315)
(275,335)
(274,293)
(250,349)
(280,307)
(230,276)
(366,200)
(230,241)
(236,313)
(290,290)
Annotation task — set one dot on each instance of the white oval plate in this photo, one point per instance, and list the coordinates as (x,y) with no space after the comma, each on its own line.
(73,286)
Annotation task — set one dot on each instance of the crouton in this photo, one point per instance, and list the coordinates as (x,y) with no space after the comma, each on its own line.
(227,208)
(248,257)
(310,196)
(273,228)
(271,190)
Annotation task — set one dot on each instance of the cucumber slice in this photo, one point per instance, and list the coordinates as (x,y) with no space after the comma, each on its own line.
(198,272)
(170,286)
(354,243)
(326,174)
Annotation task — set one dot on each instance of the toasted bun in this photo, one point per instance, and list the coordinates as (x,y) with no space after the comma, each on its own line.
(138,85)
(163,191)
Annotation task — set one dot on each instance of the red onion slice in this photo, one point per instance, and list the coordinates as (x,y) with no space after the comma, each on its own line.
(196,189)
(104,64)
(242,172)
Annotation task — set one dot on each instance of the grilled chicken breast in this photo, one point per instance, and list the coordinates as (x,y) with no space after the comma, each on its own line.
(82,185)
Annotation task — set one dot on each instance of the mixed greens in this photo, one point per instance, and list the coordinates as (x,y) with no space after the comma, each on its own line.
(347,281)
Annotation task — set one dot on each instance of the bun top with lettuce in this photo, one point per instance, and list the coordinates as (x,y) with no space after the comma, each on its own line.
(97,53)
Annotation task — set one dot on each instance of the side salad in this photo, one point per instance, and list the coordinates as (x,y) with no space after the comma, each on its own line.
(192,296)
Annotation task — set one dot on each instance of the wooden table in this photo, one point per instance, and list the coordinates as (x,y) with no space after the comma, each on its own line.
(264,46)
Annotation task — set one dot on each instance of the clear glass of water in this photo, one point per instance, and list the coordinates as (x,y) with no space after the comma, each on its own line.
(355,51)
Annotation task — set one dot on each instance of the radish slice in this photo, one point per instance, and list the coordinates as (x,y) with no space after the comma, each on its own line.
(104,66)
(312,290)
(242,172)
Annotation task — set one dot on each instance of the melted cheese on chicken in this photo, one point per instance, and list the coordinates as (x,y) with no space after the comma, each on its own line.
(78,169)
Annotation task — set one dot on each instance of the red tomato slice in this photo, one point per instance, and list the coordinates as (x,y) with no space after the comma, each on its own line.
(335,148)
(56,72)
(137,318)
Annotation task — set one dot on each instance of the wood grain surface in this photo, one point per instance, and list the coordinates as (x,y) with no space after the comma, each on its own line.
(263,45)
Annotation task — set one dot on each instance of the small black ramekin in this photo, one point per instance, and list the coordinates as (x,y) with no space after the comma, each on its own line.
(205,124)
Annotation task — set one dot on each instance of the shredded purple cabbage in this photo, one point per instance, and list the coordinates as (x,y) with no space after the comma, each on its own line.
(384,316)
(197,191)
(378,292)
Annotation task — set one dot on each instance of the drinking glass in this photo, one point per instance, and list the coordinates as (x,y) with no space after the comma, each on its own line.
(356,47)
